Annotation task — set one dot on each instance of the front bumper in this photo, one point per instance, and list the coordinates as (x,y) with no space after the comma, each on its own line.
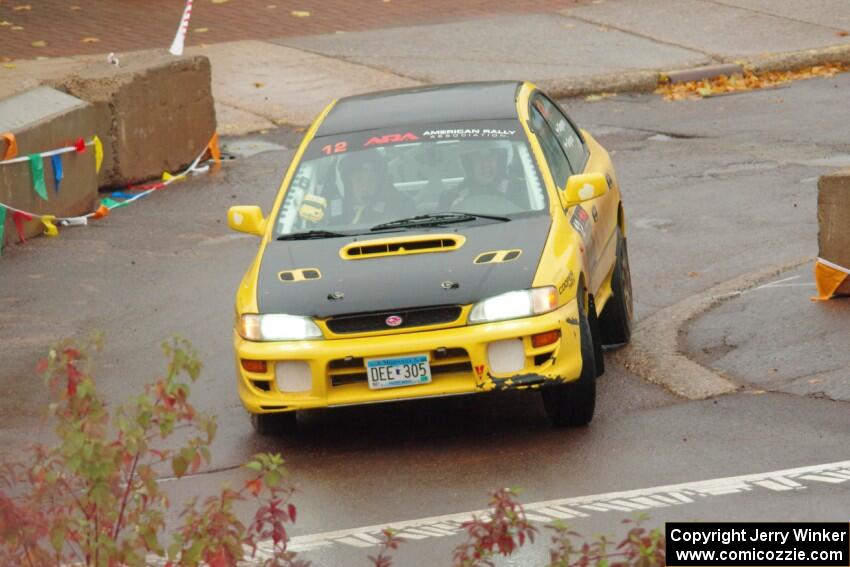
(459,359)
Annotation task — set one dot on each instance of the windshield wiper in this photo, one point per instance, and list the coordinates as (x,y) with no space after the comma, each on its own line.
(310,234)
(433,219)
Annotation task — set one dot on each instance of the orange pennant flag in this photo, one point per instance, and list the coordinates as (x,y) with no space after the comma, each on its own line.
(831,280)
(215,152)
(11,145)
(101,212)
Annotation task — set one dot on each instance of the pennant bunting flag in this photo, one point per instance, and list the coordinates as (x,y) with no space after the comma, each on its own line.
(11,146)
(37,169)
(101,212)
(56,161)
(171,178)
(74,221)
(50,222)
(19,217)
(215,152)
(49,227)
(831,280)
(2,228)
(98,154)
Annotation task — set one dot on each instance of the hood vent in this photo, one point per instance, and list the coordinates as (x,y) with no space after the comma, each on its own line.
(403,245)
(497,256)
(291,276)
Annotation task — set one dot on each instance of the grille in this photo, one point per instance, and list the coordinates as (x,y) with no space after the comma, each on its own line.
(365,322)
(352,370)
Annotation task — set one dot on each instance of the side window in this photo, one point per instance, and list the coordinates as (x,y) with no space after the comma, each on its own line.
(551,149)
(567,136)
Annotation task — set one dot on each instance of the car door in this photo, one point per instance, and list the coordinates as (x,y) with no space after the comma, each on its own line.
(601,213)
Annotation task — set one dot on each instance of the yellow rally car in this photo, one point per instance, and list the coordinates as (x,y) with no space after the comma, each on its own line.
(434,241)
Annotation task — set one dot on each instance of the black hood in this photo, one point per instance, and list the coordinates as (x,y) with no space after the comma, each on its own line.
(400,282)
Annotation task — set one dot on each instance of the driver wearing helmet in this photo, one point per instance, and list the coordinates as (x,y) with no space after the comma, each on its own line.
(486,175)
(369,194)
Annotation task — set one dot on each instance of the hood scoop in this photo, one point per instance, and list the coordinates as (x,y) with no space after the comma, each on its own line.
(401,246)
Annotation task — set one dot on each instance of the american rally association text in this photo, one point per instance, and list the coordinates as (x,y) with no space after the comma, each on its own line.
(755,534)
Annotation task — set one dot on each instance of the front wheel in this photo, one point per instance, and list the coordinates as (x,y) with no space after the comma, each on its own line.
(272,424)
(573,404)
(615,323)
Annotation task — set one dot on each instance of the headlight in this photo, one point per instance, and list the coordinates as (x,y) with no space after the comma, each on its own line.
(515,304)
(275,327)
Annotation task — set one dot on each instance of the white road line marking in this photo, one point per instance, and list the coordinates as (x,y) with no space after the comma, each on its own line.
(823,478)
(773,485)
(657,496)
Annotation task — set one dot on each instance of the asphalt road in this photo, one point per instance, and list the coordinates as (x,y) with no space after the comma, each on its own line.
(713,189)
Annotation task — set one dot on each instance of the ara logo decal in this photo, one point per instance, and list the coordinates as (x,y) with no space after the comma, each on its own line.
(479,370)
(394,321)
(391,139)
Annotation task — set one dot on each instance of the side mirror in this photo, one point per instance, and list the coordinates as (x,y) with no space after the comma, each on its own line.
(246,219)
(584,187)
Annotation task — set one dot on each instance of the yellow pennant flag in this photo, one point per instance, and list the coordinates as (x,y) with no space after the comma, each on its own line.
(49,227)
(98,154)
(831,280)
(168,178)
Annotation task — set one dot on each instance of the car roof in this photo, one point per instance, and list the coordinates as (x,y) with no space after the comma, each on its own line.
(436,104)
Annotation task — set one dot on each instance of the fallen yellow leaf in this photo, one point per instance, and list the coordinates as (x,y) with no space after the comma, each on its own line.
(9,65)
(300,13)
(22,8)
(201,30)
(4,23)
(39,43)
(17,28)
(219,1)
(74,8)
(746,82)
(90,40)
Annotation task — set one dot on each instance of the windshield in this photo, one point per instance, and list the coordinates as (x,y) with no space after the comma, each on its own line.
(351,183)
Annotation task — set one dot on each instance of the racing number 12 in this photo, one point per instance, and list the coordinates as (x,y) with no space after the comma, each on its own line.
(337,148)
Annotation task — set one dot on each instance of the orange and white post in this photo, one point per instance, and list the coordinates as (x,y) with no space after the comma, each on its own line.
(180,38)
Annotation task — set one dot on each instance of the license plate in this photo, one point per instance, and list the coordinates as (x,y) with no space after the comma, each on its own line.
(398,371)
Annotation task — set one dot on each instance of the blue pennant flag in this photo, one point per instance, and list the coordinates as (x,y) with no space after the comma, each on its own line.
(57,171)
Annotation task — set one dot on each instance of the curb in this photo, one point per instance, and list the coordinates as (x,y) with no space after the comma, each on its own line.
(793,60)
(648,80)
(655,354)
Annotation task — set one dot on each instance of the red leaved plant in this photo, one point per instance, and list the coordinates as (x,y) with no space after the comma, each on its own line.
(93,498)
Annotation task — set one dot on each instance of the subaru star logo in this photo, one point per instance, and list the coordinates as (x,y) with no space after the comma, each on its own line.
(394,321)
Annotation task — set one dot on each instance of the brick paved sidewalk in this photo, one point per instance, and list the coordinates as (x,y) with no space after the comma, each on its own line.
(56,28)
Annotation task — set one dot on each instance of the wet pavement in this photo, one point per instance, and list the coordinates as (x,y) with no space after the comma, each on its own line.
(713,189)
(807,348)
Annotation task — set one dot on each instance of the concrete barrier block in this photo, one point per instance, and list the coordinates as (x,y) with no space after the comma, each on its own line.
(834,217)
(157,111)
(44,119)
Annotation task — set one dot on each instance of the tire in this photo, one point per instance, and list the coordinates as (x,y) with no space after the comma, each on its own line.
(615,324)
(272,424)
(572,404)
